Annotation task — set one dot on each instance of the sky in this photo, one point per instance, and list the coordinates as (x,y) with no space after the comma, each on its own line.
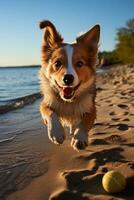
(20,36)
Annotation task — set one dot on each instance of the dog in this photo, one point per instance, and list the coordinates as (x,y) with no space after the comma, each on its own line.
(67,82)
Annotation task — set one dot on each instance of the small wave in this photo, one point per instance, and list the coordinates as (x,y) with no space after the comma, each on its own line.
(7,139)
(6,106)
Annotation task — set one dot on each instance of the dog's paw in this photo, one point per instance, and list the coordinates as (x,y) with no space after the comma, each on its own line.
(56,136)
(56,132)
(79,141)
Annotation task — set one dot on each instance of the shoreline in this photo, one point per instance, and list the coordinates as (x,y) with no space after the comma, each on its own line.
(33,168)
(20,102)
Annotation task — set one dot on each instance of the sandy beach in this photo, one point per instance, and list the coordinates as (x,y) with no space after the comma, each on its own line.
(31,168)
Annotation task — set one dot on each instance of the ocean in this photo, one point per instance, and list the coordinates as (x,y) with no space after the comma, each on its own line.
(17,82)
(18,86)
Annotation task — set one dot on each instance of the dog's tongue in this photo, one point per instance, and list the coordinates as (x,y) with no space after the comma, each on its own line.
(67,92)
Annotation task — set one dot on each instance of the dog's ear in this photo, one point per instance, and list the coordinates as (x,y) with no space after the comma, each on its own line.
(91,37)
(51,38)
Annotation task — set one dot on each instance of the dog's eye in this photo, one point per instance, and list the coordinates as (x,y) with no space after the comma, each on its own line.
(58,64)
(79,64)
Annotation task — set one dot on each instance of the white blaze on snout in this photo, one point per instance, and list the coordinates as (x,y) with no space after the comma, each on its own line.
(70,70)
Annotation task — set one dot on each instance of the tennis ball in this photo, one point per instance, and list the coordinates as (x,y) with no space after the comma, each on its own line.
(113,182)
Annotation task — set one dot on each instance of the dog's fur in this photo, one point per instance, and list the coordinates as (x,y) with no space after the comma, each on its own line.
(68,105)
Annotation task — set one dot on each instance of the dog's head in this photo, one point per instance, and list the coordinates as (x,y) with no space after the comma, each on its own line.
(70,68)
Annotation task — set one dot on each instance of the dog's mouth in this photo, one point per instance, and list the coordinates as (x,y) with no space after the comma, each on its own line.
(67,92)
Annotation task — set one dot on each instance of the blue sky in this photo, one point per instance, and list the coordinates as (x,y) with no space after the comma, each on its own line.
(20,37)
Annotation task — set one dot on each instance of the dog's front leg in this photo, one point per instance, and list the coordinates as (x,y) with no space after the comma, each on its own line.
(80,138)
(55,130)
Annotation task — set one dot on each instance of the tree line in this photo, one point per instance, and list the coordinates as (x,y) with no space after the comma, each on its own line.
(124,48)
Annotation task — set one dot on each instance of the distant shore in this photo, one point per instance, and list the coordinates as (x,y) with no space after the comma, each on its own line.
(21,66)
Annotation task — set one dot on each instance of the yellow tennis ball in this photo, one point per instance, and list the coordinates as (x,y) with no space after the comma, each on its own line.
(113,182)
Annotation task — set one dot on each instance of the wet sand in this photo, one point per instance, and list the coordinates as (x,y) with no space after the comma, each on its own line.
(31,168)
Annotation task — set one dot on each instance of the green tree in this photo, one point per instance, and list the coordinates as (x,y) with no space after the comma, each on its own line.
(125,42)
(109,57)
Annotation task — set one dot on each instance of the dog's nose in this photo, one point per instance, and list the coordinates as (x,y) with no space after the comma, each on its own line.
(68,79)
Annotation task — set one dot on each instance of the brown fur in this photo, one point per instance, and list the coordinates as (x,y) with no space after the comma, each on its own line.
(46,112)
(88,119)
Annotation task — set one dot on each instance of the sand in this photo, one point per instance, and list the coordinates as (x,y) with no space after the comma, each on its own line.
(61,173)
